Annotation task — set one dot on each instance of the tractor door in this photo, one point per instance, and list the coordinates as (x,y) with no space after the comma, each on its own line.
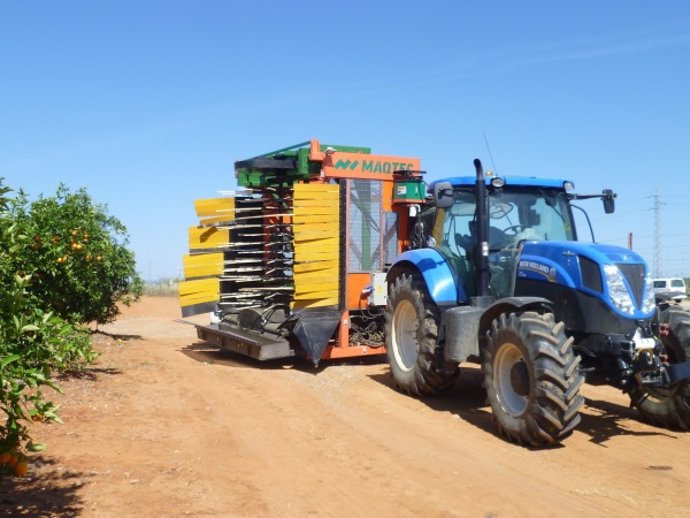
(452,236)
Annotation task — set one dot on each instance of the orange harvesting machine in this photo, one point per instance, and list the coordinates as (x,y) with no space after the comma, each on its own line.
(293,262)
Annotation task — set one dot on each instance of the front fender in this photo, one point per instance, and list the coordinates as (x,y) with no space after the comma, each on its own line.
(510,305)
(442,285)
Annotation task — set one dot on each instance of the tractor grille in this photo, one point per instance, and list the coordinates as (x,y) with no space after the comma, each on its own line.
(634,273)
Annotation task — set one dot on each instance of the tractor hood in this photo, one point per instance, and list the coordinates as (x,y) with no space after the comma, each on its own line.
(617,275)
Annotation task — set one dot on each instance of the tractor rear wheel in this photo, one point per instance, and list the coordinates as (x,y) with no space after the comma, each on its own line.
(531,378)
(669,408)
(412,321)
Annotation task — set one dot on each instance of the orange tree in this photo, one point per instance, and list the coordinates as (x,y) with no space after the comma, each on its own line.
(63,262)
(34,344)
(79,253)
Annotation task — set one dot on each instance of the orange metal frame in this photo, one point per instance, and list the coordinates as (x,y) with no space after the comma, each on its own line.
(360,166)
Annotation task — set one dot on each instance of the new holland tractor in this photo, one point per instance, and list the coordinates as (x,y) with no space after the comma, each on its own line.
(496,275)
(330,252)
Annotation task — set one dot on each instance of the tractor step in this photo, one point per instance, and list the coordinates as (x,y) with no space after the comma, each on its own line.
(249,343)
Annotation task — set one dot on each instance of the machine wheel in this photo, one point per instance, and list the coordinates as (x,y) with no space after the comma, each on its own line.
(669,408)
(411,331)
(531,378)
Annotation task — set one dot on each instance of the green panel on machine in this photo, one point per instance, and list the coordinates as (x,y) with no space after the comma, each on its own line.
(284,166)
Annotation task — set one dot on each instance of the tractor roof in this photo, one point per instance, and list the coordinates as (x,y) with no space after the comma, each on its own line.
(514,181)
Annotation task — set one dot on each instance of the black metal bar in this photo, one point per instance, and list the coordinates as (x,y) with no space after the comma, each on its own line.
(482,228)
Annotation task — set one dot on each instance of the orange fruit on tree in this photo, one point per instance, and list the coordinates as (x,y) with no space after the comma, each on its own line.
(21,469)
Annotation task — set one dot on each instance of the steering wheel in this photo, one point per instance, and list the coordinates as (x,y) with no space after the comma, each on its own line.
(498,209)
(513,230)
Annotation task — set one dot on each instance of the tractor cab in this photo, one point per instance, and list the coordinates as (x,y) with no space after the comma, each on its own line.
(518,210)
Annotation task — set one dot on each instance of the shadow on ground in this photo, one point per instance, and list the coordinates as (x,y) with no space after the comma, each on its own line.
(89,373)
(203,352)
(466,400)
(607,420)
(116,336)
(47,492)
(600,420)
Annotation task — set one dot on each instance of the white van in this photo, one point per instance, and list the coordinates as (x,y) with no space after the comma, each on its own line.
(671,289)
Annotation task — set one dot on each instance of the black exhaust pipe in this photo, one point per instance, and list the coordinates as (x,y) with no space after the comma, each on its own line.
(482,227)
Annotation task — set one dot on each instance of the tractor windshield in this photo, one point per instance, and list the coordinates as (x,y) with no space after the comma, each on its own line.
(528,214)
(515,215)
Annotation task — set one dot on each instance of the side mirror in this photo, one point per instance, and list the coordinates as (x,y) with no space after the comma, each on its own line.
(608,197)
(443,194)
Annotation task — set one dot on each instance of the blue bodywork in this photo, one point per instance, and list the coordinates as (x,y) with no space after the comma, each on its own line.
(548,261)
(559,262)
(438,276)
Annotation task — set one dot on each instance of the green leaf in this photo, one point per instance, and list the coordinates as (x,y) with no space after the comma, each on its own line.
(35,446)
(11,358)
(29,327)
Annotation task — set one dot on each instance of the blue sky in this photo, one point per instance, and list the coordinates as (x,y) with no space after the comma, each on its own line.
(148,104)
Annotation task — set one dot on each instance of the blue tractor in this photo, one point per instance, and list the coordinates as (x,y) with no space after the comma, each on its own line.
(496,275)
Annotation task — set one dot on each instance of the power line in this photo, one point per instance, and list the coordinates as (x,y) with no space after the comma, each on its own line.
(657,231)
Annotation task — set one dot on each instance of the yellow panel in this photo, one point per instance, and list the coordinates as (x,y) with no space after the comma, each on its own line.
(317,295)
(315,255)
(202,265)
(315,278)
(325,212)
(316,218)
(316,202)
(200,238)
(213,206)
(196,286)
(198,291)
(316,227)
(200,298)
(301,304)
(321,200)
(328,245)
(308,288)
(317,187)
(322,242)
(316,266)
(326,238)
(217,220)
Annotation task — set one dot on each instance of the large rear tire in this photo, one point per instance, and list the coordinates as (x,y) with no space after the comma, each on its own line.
(531,378)
(412,321)
(669,408)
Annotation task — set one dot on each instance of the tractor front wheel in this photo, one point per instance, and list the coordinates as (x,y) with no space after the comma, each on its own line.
(531,378)
(411,331)
(669,408)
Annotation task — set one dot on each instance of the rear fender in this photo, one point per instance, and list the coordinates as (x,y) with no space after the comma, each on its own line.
(439,278)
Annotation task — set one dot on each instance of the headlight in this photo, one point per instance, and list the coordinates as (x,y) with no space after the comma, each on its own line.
(618,291)
(649,302)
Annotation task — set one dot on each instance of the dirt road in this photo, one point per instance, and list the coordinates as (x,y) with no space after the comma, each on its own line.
(163,426)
